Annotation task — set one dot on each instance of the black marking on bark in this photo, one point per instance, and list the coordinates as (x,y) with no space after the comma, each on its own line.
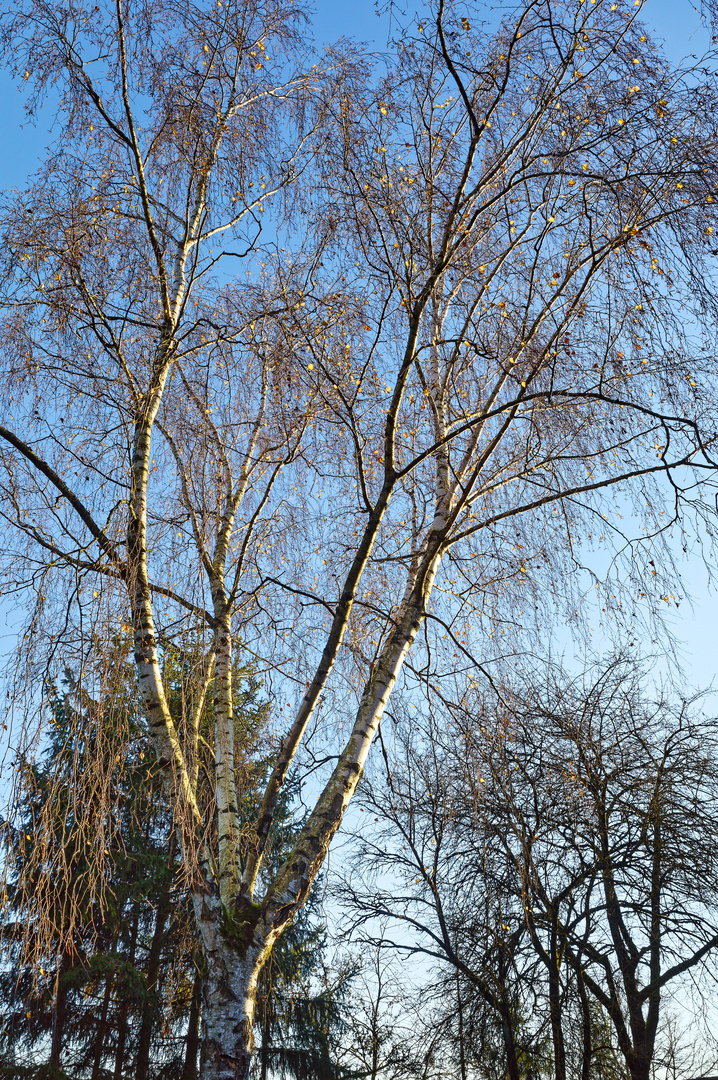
(237,926)
(284,915)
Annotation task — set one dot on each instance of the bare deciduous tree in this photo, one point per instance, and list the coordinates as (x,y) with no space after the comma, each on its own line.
(556,850)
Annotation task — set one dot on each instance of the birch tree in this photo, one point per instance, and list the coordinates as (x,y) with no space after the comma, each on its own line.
(383,414)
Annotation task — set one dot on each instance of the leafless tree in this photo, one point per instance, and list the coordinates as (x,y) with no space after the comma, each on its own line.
(381,1042)
(557,849)
(430,872)
(642,778)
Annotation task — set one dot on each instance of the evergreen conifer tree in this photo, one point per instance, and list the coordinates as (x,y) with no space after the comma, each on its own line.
(120,997)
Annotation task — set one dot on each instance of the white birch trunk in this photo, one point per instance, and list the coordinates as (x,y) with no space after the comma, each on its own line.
(225,787)
(236,948)
(162,728)
(291,886)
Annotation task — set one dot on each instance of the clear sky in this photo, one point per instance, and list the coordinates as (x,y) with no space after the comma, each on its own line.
(675,21)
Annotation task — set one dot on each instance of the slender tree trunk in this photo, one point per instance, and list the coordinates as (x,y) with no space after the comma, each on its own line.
(505,1012)
(101,1030)
(121,1039)
(189,1072)
(554,991)
(513,1069)
(154,957)
(122,1025)
(59,1010)
(587,1041)
(225,790)
(151,976)
(460,1015)
(264,1049)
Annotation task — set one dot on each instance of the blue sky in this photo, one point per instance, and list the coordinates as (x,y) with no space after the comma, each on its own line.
(674,21)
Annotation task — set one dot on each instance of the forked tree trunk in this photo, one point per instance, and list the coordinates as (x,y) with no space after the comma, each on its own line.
(235,949)
(122,1022)
(238,937)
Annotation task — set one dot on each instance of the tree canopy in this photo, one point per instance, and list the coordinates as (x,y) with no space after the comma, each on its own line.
(337,367)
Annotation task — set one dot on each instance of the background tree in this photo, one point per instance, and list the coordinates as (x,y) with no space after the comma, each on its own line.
(641,915)
(430,869)
(384,1039)
(432,401)
(557,850)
